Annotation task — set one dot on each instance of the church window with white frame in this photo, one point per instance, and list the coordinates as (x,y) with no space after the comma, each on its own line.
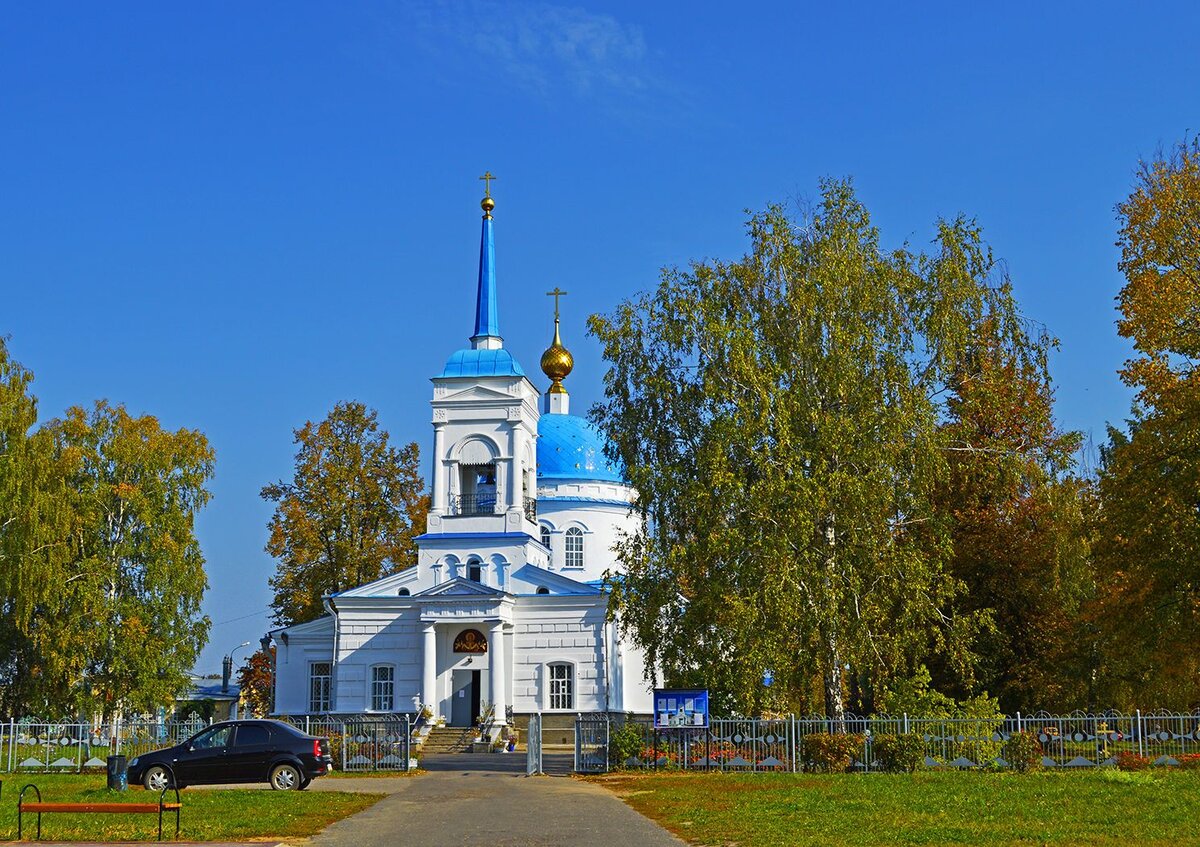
(383,688)
(562,685)
(546,536)
(320,676)
(573,548)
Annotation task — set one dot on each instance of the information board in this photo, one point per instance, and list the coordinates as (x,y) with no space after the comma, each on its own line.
(681,708)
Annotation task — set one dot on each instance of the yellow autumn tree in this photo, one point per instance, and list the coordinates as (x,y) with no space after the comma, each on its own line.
(1149,549)
(349,514)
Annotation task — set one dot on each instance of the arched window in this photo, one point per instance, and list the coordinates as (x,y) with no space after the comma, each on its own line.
(541,589)
(562,685)
(475,571)
(404,592)
(383,688)
(546,536)
(574,548)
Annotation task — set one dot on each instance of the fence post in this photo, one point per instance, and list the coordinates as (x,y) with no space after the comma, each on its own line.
(344,744)
(906,723)
(791,745)
(12,741)
(1141,735)
(1019,722)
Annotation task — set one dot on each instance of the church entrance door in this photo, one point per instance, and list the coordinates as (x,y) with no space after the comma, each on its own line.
(465,708)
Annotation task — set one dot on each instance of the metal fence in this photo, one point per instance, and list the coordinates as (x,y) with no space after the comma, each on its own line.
(591,743)
(33,744)
(363,742)
(1076,740)
(357,742)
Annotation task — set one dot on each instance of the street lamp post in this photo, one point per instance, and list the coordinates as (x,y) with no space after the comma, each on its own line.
(227,666)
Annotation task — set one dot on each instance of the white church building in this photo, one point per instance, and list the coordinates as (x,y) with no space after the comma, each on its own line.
(505,607)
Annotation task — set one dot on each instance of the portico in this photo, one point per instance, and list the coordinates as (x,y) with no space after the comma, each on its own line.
(466,635)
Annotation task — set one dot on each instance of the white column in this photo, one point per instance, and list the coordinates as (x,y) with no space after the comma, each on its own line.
(518,452)
(441,480)
(429,676)
(496,671)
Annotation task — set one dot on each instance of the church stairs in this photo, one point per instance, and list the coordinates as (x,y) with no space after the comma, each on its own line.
(448,739)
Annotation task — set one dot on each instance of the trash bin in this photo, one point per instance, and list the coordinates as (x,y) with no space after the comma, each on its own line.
(118,775)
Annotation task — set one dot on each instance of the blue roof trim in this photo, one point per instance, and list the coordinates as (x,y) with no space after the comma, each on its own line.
(487,316)
(625,504)
(559,596)
(569,447)
(438,536)
(481,363)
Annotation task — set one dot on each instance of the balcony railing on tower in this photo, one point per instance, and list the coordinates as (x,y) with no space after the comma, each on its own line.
(473,504)
(486,504)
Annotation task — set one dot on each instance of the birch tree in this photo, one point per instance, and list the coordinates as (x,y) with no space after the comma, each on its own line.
(779,418)
(129,624)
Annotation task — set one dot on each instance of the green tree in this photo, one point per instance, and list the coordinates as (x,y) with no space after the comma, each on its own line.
(1148,605)
(779,418)
(349,515)
(33,534)
(128,623)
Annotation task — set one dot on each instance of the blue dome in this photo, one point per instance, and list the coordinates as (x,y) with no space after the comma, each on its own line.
(569,447)
(482,363)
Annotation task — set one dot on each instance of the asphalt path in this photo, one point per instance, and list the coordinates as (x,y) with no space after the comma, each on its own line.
(487,801)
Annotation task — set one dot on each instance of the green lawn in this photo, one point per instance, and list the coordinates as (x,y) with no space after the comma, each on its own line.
(207,815)
(754,810)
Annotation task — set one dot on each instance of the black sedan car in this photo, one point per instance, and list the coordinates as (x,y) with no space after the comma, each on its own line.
(237,751)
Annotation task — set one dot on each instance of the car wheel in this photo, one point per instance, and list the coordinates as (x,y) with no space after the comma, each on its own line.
(156,778)
(285,778)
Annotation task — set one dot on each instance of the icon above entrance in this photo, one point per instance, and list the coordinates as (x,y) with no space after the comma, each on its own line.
(470,641)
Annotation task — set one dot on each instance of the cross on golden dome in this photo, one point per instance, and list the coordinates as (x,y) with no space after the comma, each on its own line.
(556,293)
(557,361)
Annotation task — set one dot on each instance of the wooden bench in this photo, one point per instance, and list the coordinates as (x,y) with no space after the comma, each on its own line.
(97,808)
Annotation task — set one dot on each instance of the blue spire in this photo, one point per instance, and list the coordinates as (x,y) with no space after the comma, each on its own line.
(487,318)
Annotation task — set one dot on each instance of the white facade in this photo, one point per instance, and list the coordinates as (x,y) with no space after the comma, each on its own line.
(524,517)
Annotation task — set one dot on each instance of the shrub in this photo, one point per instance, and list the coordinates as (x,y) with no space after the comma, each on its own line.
(827,753)
(1189,761)
(903,753)
(335,748)
(624,743)
(1023,752)
(1127,760)
(976,720)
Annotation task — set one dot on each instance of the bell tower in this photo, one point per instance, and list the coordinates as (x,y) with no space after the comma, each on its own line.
(485,418)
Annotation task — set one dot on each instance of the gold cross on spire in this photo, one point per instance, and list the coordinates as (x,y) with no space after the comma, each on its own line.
(487,183)
(556,293)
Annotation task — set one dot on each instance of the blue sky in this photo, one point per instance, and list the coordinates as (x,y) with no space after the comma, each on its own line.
(233,216)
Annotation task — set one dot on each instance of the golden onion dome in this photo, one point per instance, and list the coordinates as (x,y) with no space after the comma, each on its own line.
(557,362)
